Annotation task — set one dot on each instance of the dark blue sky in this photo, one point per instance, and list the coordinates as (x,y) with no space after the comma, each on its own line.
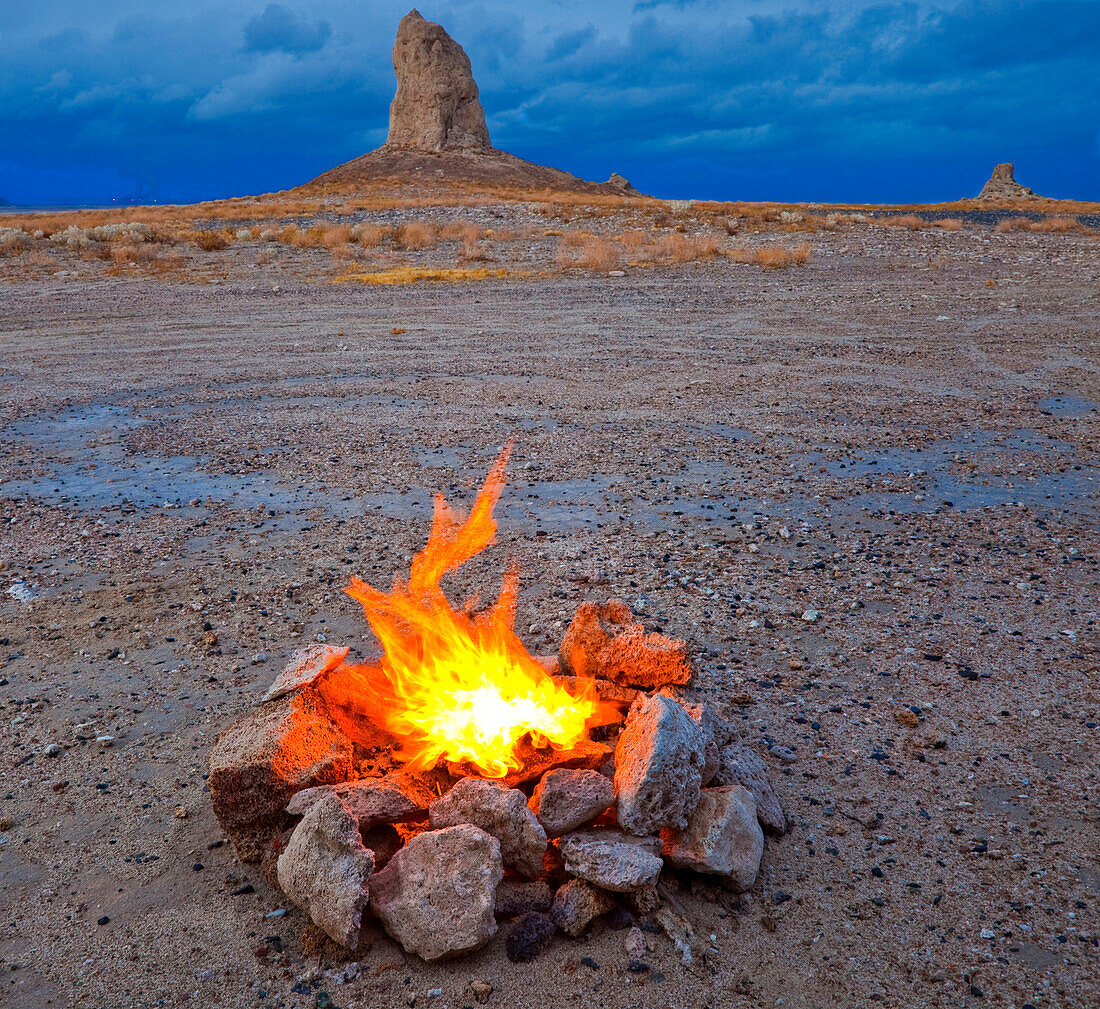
(723,99)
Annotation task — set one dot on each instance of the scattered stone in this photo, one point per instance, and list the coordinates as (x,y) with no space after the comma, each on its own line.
(611,859)
(659,762)
(436,897)
(325,870)
(52,750)
(499,811)
(784,753)
(716,732)
(482,990)
(518,897)
(103,920)
(266,756)
(741,766)
(436,107)
(398,797)
(577,904)
(305,665)
(566,799)
(604,641)
(723,837)
(528,937)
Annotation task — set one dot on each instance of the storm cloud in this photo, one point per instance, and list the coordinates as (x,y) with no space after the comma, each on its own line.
(761,99)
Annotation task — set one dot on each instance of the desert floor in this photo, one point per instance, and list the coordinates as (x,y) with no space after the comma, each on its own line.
(865,489)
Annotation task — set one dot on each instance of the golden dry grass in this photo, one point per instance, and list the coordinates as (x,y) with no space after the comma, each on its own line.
(415,274)
(370,236)
(949,224)
(336,236)
(676,248)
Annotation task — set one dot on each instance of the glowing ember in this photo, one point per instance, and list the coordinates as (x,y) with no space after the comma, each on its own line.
(455,685)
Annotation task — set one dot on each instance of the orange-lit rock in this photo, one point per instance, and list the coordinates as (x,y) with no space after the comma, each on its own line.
(604,641)
(266,756)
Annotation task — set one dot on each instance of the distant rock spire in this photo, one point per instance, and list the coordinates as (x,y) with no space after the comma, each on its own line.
(436,107)
(1002,186)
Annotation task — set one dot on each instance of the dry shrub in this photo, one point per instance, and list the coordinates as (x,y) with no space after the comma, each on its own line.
(633,239)
(776,257)
(1059,225)
(1012,224)
(370,236)
(576,239)
(13,242)
(473,251)
(507,235)
(910,221)
(950,224)
(416,235)
(414,274)
(207,239)
(677,248)
(595,254)
(741,255)
(336,236)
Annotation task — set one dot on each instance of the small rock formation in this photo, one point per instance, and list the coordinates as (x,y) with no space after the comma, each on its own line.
(611,860)
(604,641)
(528,937)
(577,904)
(436,896)
(566,799)
(325,869)
(499,811)
(517,897)
(722,837)
(436,107)
(659,761)
(1002,186)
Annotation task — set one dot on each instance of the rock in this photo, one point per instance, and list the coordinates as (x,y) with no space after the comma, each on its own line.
(659,760)
(603,641)
(741,766)
(267,756)
(517,897)
(577,904)
(587,753)
(482,990)
(436,107)
(499,811)
(1002,185)
(644,901)
(325,869)
(611,859)
(566,799)
(716,733)
(723,837)
(436,896)
(635,943)
(528,937)
(305,665)
(398,797)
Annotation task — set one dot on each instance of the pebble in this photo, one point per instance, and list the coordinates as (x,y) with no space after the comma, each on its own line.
(53,750)
(104,920)
(784,753)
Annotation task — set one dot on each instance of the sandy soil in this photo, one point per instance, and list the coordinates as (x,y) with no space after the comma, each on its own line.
(865,489)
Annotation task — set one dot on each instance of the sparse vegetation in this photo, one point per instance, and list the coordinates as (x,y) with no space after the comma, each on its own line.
(910,221)
(414,274)
(587,252)
(949,224)
(416,236)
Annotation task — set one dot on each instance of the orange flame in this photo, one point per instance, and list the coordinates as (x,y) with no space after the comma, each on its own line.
(460,686)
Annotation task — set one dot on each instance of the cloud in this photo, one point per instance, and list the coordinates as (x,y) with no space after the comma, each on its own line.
(279,29)
(783,99)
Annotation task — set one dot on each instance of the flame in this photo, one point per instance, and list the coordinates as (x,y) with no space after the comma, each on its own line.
(459,685)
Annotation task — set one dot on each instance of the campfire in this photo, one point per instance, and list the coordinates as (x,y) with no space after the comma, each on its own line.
(458,781)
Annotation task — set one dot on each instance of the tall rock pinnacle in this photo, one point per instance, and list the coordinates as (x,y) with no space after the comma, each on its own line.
(436,107)
(1002,185)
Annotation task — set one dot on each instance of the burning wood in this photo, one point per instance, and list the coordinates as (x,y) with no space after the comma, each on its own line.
(416,780)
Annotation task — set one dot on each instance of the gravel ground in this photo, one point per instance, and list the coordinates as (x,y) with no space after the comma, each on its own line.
(865,489)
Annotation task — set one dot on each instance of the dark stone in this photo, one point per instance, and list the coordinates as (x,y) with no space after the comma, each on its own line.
(528,937)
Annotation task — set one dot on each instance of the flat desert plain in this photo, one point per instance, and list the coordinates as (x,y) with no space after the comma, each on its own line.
(863,488)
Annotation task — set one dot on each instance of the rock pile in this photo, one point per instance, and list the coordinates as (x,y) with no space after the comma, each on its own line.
(441,858)
(1003,186)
